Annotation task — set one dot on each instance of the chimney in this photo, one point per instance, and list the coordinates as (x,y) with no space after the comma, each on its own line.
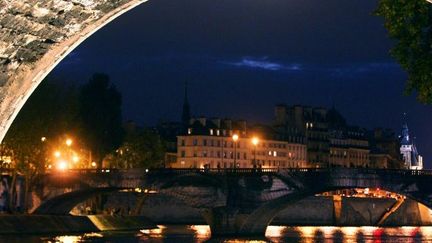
(280,114)
(202,120)
(217,122)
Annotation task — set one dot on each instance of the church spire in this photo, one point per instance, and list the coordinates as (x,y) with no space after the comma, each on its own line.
(186,116)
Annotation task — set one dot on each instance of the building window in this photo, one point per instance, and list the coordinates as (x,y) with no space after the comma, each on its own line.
(183,154)
(204,153)
(189,131)
(218,132)
(183,142)
(205,142)
(195,142)
(195,154)
(211,132)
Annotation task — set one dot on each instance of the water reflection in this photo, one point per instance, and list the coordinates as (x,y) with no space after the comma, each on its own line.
(276,234)
(349,234)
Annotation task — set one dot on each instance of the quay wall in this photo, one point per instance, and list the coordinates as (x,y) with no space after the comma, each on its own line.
(51,224)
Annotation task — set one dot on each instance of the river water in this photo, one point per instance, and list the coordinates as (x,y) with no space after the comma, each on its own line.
(277,234)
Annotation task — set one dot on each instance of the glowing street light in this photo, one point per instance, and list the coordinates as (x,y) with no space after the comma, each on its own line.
(235,138)
(43,139)
(68,142)
(62,165)
(255,142)
(75,159)
(57,154)
(93,164)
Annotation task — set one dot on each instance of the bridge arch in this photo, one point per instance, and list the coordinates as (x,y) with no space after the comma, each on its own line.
(185,187)
(257,221)
(35,36)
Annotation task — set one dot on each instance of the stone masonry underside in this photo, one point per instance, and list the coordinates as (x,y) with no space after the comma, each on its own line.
(35,35)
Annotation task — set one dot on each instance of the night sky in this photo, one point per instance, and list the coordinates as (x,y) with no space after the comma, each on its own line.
(241,57)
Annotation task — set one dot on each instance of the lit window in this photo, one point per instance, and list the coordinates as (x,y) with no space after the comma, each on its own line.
(189,131)
(211,132)
(218,132)
(274,153)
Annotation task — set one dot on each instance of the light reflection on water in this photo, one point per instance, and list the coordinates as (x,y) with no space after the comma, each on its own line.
(277,234)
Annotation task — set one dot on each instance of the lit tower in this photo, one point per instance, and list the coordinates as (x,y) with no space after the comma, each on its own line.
(413,160)
(186,116)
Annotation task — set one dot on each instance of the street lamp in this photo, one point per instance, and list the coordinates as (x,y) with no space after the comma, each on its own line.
(255,142)
(235,138)
(68,142)
(57,154)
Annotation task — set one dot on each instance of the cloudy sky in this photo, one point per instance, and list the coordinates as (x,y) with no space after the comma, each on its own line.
(241,57)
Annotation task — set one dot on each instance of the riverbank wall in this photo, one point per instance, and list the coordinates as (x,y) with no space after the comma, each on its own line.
(51,224)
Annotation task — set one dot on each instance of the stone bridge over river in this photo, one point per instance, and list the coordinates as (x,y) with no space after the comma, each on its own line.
(241,201)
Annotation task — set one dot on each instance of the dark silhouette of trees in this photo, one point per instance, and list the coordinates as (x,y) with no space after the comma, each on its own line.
(50,111)
(100,112)
(409,22)
(141,149)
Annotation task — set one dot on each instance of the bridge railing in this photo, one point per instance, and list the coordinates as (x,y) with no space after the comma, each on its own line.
(248,171)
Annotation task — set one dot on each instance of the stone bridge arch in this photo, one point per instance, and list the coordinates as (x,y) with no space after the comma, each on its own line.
(36,35)
(412,184)
(197,190)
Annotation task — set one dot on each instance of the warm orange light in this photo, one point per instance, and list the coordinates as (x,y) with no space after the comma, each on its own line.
(62,165)
(75,159)
(93,164)
(68,142)
(43,139)
(57,154)
(235,137)
(255,141)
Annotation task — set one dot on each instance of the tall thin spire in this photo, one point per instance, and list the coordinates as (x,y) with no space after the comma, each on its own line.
(186,116)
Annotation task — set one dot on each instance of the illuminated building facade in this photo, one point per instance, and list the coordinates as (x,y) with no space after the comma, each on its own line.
(209,143)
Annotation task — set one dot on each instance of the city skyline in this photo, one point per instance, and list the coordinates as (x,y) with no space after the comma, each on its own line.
(241,61)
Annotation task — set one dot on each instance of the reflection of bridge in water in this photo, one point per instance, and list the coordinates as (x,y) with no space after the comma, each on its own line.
(233,201)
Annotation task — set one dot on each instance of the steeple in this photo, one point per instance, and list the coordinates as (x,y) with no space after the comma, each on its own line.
(186,116)
(405,138)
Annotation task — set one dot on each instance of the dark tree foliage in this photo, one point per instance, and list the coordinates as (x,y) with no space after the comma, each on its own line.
(409,22)
(50,111)
(100,111)
(142,149)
